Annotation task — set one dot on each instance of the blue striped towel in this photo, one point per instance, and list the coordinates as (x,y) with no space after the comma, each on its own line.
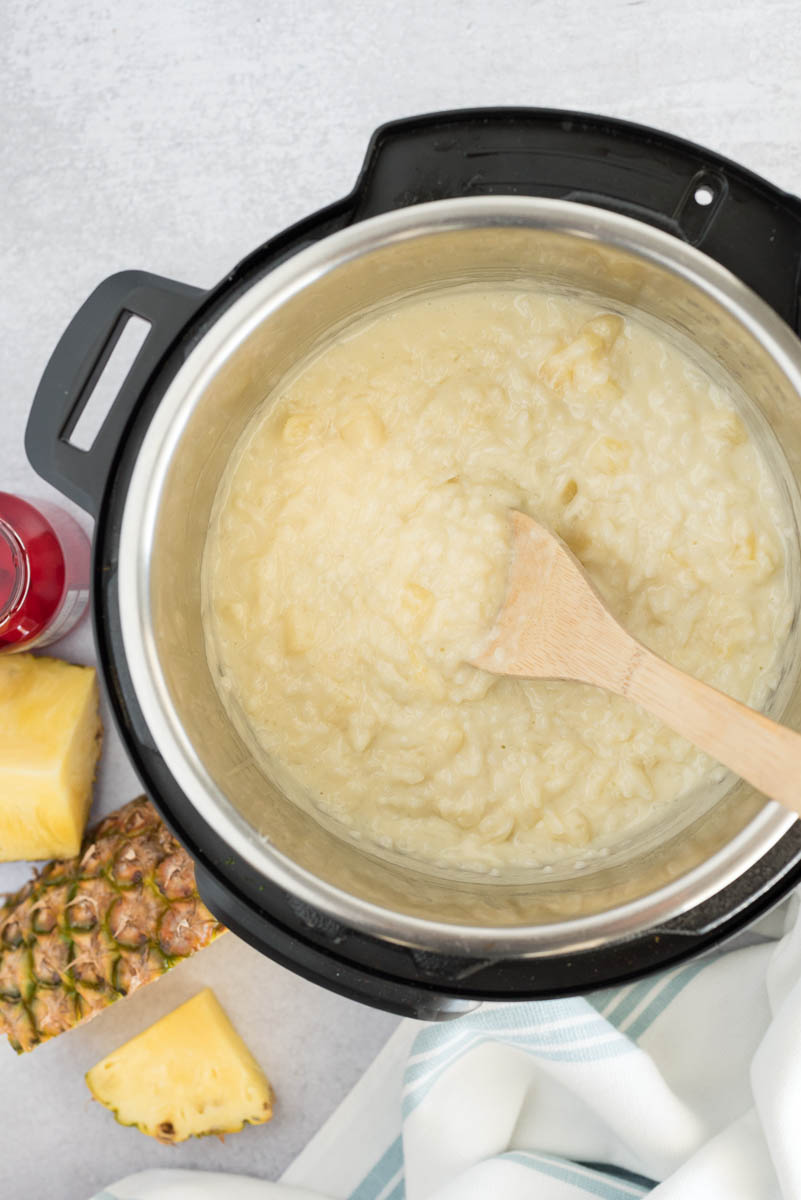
(685,1086)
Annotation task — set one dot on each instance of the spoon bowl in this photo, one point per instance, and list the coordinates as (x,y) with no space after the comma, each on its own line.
(554,625)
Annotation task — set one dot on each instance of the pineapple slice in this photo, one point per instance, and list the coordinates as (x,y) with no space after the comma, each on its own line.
(50,735)
(85,932)
(188,1075)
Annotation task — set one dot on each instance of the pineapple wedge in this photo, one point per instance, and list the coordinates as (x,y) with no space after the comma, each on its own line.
(188,1075)
(85,932)
(50,735)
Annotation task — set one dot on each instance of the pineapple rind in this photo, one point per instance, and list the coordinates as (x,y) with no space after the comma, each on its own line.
(50,734)
(188,1075)
(87,931)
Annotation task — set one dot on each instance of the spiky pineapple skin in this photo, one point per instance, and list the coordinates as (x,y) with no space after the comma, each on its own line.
(89,930)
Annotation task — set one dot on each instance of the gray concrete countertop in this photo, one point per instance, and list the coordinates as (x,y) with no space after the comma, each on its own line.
(178,136)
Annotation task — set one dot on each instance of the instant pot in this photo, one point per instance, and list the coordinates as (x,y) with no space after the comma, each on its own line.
(639,221)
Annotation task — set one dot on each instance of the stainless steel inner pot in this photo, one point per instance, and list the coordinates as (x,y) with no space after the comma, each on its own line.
(707,841)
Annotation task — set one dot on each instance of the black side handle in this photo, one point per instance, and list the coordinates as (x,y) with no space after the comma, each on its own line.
(78,362)
(735,217)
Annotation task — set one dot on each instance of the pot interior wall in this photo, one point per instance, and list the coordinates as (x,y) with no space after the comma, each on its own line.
(245,372)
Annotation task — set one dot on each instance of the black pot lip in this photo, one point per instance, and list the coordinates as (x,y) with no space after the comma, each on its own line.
(131,722)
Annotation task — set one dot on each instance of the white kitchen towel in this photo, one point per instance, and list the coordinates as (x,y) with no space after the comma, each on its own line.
(684,1086)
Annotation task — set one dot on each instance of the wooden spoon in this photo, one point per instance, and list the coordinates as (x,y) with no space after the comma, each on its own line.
(554,625)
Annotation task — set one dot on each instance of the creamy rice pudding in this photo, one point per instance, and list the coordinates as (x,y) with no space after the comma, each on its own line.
(358,553)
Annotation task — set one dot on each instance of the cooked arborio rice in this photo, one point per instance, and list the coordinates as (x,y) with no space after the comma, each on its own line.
(358,553)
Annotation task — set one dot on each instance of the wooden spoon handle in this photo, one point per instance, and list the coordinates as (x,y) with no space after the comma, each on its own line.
(766,754)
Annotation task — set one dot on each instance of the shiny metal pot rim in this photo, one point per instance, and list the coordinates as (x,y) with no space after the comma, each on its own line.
(265,297)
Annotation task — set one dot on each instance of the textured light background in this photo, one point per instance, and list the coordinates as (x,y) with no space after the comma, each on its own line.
(176,136)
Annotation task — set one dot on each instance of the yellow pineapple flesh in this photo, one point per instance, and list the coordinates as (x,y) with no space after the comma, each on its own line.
(188,1075)
(87,931)
(50,735)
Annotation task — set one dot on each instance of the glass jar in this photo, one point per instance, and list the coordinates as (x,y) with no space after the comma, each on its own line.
(44,573)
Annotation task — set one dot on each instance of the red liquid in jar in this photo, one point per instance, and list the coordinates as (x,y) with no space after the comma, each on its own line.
(44,573)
